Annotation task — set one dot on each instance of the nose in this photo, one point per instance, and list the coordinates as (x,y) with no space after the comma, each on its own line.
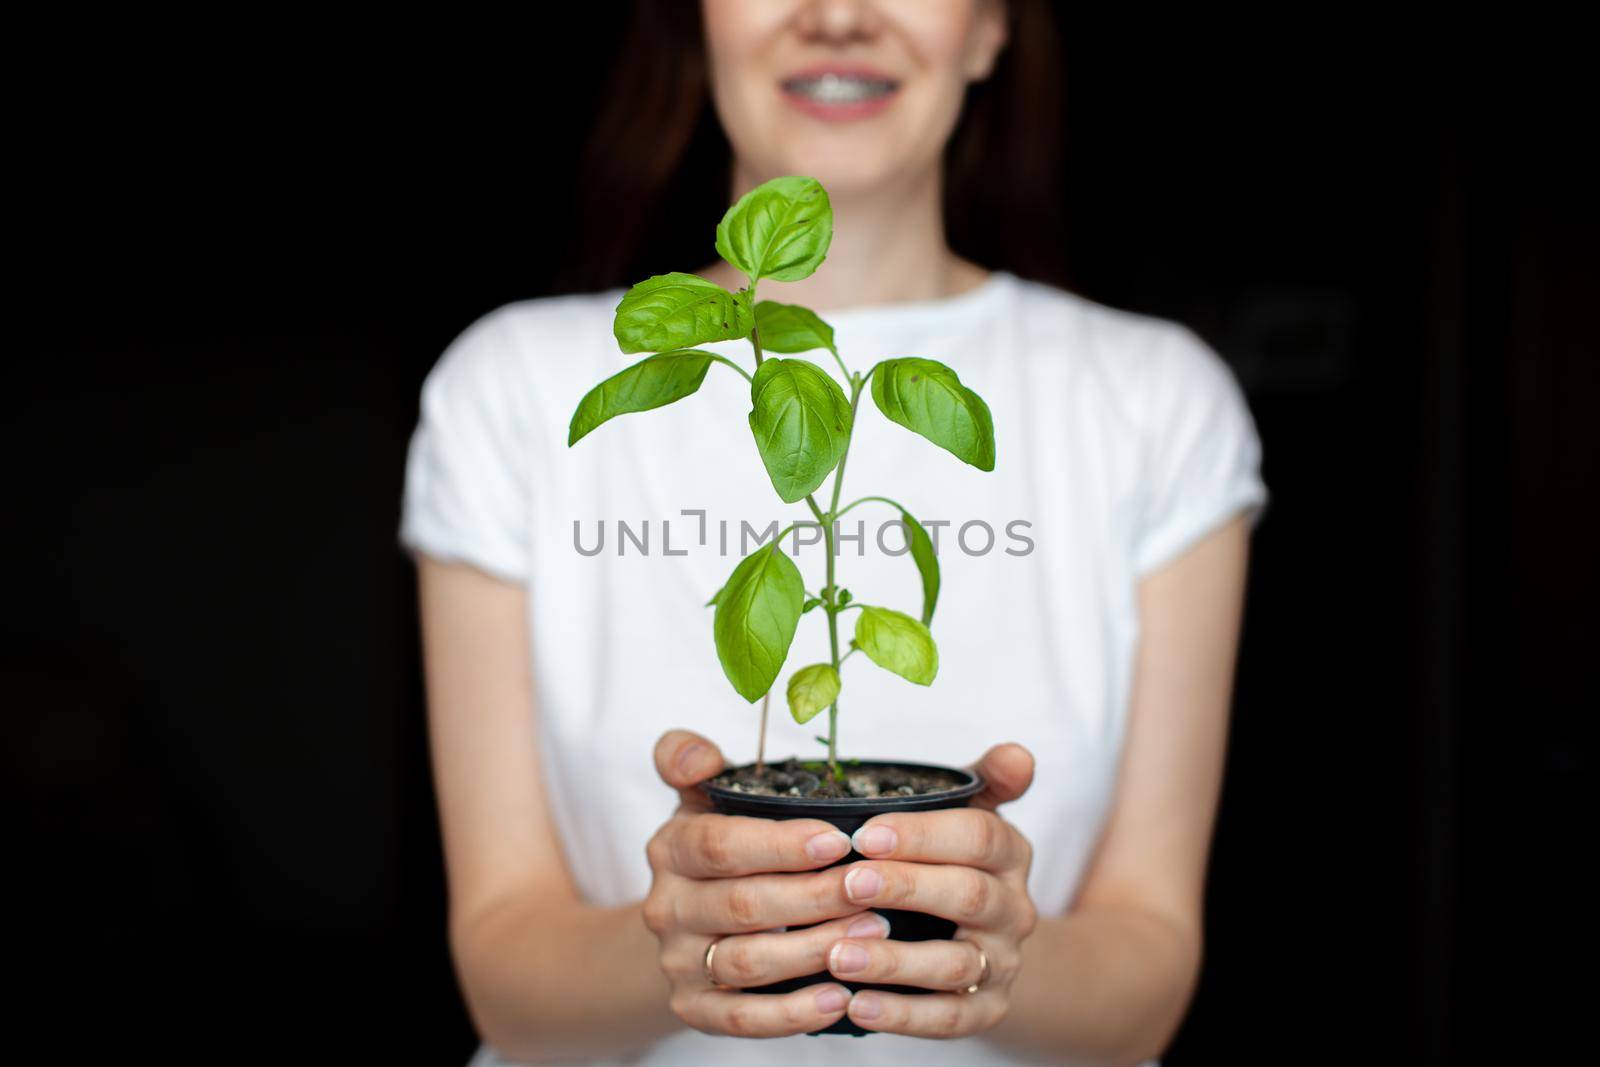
(837,20)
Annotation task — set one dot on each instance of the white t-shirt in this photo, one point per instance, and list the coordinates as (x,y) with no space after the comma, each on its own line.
(1120,440)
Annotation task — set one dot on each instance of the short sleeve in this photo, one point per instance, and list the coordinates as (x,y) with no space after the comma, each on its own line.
(1202,453)
(468,466)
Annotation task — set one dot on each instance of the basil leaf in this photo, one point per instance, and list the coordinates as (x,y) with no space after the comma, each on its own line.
(650,383)
(669,311)
(897,642)
(927,564)
(801,421)
(811,689)
(926,397)
(811,602)
(779,230)
(791,328)
(757,612)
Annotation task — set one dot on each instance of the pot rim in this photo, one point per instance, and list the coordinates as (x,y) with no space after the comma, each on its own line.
(973,785)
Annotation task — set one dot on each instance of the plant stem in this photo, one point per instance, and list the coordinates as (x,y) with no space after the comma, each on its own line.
(833,733)
(755,341)
(878,499)
(755,337)
(787,530)
(830,605)
(761,742)
(735,366)
(830,602)
(838,475)
(840,360)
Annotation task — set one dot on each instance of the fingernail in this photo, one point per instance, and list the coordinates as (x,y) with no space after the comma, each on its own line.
(847,958)
(686,758)
(828,846)
(875,840)
(873,925)
(862,883)
(831,1000)
(866,1006)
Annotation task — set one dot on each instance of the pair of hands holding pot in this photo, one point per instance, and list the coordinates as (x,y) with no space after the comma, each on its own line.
(735,879)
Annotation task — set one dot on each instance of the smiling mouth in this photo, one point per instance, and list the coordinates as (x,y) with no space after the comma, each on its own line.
(840,88)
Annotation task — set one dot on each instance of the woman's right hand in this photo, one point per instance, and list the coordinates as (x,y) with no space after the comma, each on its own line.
(715,879)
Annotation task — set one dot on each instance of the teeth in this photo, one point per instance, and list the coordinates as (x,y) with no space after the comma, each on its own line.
(840,88)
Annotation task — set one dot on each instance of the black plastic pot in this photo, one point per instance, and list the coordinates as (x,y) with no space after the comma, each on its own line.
(848,814)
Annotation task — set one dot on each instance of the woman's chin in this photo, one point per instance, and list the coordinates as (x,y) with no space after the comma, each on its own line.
(846,167)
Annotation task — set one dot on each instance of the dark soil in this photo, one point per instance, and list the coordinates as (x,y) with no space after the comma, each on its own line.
(796,778)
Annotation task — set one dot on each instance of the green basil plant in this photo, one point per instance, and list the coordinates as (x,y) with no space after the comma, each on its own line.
(801,419)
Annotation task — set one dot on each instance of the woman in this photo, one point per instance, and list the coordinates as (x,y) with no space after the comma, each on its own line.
(1092,632)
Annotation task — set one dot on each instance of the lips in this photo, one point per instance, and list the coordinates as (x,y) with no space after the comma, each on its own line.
(840,93)
(844,69)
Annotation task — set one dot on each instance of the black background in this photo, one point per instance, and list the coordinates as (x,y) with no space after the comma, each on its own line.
(241,251)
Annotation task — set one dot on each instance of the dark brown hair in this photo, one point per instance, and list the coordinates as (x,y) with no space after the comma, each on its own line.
(656,140)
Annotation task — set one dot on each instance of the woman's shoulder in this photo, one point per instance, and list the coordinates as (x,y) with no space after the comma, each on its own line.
(1131,351)
(1151,373)
(520,342)
(570,317)
(1050,312)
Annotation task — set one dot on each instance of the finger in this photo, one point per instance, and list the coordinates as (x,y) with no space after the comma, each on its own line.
(935,1015)
(964,895)
(940,965)
(1007,772)
(761,902)
(731,846)
(746,960)
(717,1011)
(685,759)
(971,836)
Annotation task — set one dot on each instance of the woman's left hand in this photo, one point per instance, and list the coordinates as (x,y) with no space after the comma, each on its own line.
(968,865)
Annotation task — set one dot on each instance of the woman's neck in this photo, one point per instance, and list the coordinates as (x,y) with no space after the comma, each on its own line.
(888,247)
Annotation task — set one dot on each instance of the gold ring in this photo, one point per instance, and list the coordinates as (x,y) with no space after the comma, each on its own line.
(711,951)
(983,975)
